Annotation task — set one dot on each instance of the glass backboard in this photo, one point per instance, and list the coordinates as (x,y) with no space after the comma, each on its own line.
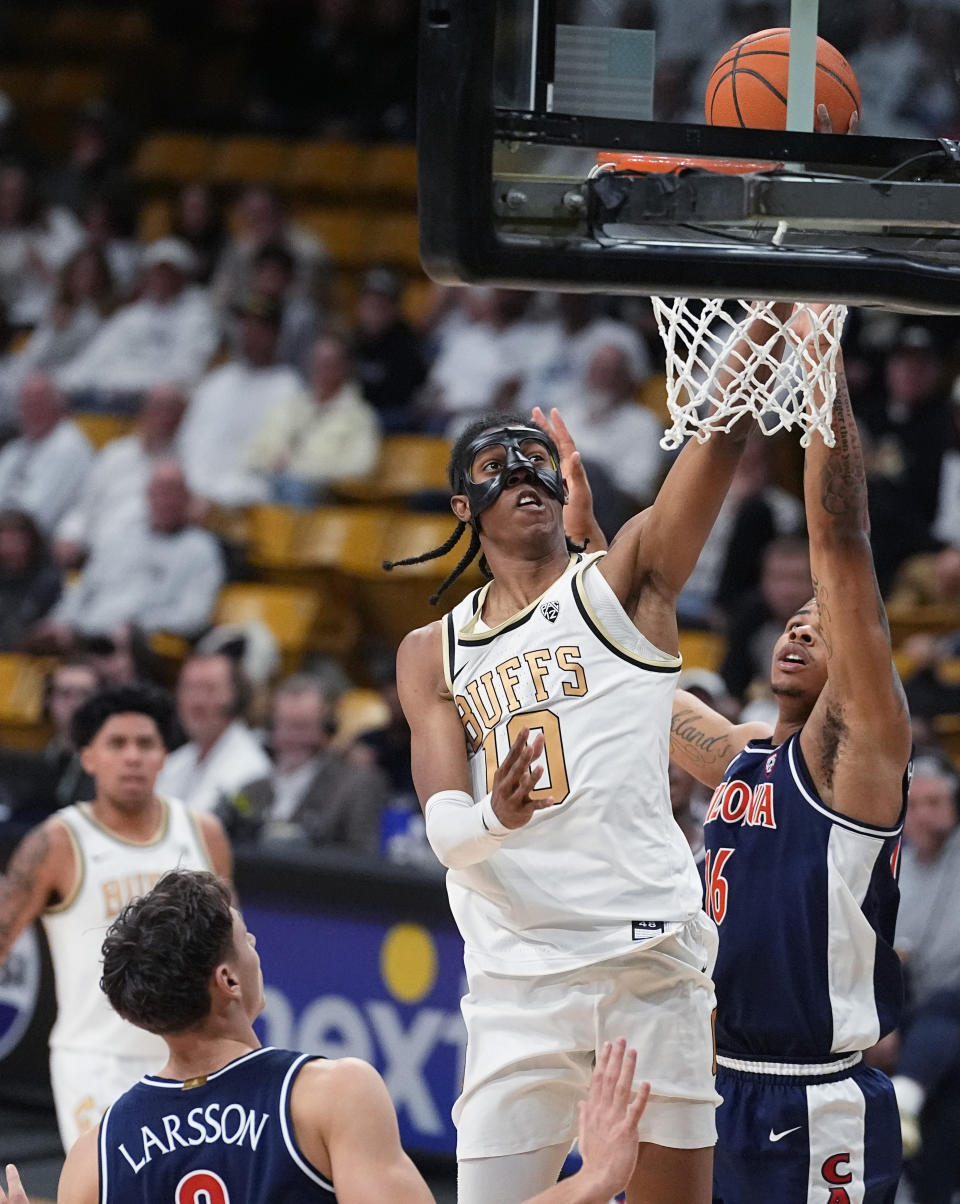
(565,143)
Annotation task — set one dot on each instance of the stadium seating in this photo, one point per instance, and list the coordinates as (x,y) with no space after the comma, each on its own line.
(408,465)
(249,160)
(357,711)
(101,428)
(22,691)
(173,159)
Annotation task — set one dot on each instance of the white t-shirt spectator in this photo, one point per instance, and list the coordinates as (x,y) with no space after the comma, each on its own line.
(228,410)
(235,759)
(146,344)
(44,476)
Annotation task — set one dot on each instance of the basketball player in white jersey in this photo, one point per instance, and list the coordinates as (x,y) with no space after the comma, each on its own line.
(540,716)
(180,960)
(78,869)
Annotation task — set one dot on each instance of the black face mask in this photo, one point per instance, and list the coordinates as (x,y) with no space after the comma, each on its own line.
(512,439)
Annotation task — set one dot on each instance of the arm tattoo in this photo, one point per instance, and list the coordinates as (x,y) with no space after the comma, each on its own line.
(17,887)
(699,746)
(822,595)
(843,483)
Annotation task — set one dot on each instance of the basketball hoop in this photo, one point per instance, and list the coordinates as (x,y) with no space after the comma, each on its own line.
(717,371)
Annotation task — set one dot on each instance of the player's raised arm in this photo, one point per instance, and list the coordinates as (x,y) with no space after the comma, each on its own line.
(857,740)
(655,552)
(704,742)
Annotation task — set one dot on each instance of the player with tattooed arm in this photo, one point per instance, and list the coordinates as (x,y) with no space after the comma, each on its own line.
(78,869)
(802,842)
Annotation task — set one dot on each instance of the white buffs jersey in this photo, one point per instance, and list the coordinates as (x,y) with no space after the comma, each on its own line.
(111,872)
(607,869)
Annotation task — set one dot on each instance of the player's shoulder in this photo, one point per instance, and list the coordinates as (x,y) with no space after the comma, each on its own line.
(420,652)
(80,1177)
(346,1084)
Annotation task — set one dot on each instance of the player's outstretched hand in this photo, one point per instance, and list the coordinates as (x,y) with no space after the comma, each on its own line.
(609,1118)
(578,518)
(515,781)
(14,1193)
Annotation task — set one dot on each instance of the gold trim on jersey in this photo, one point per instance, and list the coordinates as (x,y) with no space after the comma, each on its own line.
(194,821)
(468,633)
(74,891)
(666,664)
(85,810)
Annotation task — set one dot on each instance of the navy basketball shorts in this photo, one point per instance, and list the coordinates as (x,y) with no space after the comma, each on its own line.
(807,1138)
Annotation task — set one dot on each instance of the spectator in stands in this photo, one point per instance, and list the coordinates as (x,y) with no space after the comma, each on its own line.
(311,791)
(110,226)
(222,754)
(387,355)
(82,300)
(755,511)
(888,63)
(311,439)
(759,619)
(113,502)
(927,1081)
(42,471)
(35,784)
(168,334)
(94,164)
(199,221)
(604,417)
(482,360)
(164,576)
(230,406)
(29,578)
(909,428)
(264,219)
(35,242)
(568,342)
(273,275)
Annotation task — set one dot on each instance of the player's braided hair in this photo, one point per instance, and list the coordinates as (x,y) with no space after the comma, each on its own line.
(454,469)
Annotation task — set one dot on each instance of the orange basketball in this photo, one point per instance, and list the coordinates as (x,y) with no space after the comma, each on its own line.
(748,86)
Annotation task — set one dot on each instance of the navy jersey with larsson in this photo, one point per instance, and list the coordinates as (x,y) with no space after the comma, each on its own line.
(806,979)
(228,1136)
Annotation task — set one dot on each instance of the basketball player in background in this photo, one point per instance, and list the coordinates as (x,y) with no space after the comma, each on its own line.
(540,710)
(229,1122)
(802,857)
(79,868)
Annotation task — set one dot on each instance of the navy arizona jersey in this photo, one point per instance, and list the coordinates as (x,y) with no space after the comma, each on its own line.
(805,901)
(225,1139)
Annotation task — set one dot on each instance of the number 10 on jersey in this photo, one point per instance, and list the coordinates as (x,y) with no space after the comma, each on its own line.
(554,781)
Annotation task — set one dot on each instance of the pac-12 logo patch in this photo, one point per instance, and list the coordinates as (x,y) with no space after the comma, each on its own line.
(771,761)
(550,611)
(19,987)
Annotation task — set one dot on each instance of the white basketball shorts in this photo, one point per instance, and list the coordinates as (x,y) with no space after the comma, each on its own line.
(532,1044)
(85,1083)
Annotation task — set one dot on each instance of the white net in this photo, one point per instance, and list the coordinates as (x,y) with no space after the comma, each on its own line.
(729,358)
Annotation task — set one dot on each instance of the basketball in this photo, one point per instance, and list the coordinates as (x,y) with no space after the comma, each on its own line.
(748,86)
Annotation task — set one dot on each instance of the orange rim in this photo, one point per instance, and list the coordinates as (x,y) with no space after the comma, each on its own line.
(639,162)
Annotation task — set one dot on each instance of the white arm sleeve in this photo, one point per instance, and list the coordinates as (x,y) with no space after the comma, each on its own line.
(462,832)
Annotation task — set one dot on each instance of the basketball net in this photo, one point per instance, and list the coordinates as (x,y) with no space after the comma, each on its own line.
(719,368)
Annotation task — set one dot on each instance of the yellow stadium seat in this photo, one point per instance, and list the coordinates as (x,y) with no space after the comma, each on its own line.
(340,540)
(393,603)
(340,230)
(390,170)
(325,167)
(392,238)
(22,686)
(358,711)
(290,611)
(21,84)
(69,87)
(270,535)
(101,428)
(86,29)
(419,297)
(173,158)
(907,620)
(154,220)
(249,160)
(702,649)
(407,465)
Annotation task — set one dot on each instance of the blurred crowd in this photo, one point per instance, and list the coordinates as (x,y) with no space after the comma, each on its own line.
(247,380)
